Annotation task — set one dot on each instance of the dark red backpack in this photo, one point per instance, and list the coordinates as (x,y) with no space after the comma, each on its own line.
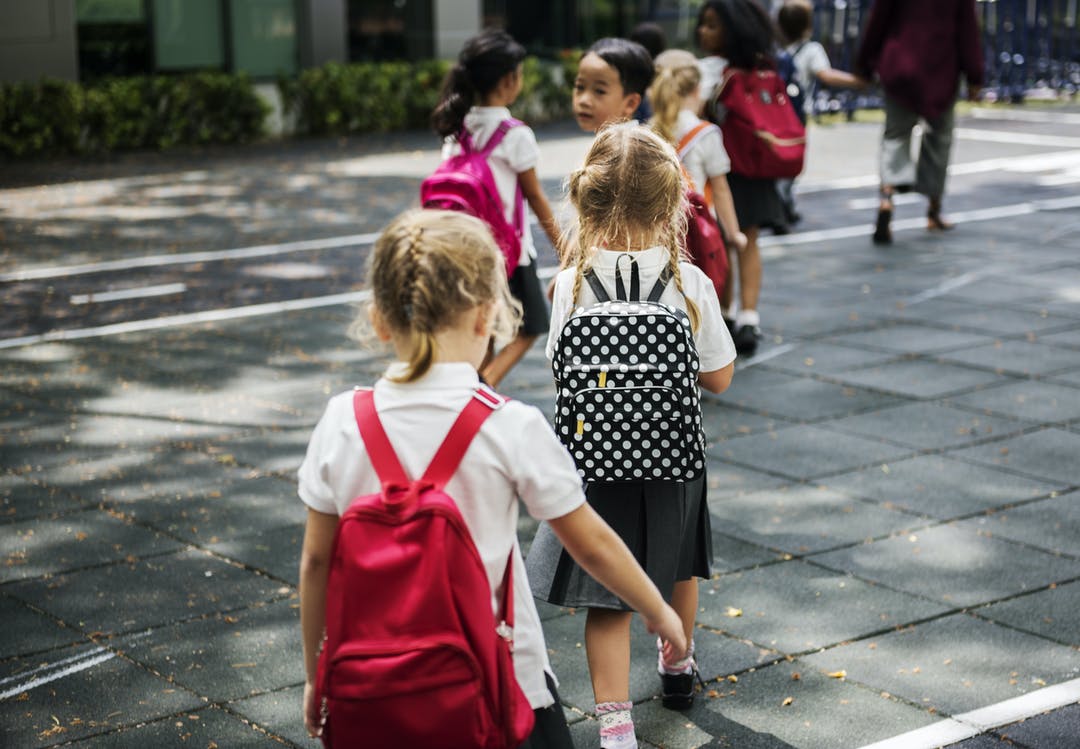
(704,237)
(762,132)
(464,182)
(413,655)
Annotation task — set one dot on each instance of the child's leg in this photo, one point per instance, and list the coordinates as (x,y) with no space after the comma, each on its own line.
(495,369)
(607,647)
(750,271)
(684,599)
(677,677)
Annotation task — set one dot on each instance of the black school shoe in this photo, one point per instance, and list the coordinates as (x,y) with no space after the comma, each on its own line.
(679,689)
(746,339)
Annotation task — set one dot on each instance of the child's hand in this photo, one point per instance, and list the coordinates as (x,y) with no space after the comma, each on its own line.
(669,628)
(861,84)
(740,241)
(312,714)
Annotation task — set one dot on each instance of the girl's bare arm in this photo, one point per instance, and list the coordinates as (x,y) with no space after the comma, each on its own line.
(538,202)
(314,567)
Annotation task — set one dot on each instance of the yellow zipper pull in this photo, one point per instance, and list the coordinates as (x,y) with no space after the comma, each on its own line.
(580,427)
(603,378)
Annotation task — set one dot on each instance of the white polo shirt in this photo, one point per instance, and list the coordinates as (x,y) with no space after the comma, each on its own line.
(715,347)
(515,454)
(706,157)
(517,153)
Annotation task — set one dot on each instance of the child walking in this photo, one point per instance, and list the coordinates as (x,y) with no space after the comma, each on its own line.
(629,196)
(740,33)
(611,81)
(439,288)
(810,67)
(478,90)
(676,96)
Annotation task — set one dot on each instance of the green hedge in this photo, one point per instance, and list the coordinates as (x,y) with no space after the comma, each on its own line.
(337,99)
(57,117)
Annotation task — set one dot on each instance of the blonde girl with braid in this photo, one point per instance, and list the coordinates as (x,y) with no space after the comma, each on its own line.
(675,94)
(439,293)
(629,196)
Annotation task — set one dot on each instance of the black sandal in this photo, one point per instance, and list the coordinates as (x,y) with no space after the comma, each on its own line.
(882,232)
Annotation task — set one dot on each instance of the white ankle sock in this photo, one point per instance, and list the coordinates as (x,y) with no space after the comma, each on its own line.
(616,725)
(748,317)
(685,666)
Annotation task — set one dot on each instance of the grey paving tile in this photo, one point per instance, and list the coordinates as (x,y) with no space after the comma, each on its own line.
(918,378)
(925,426)
(1067,338)
(28,631)
(227,657)
(725,480)
(804,451)
(86,701)
(731,553)
(722,421)
(796,607)
(275,552)
(1070,378)
(911,339)
(133,596)
(822,358)
(40,546)
(1017,357)
(824,713)
(279,713)
(701,726)
(954,665)
(1059,728)
(952,564)
(243,508)
(210,726)
(278,451)
(804,518)
(1052,524)
(21,499)
(565,636)
(1031,400)
(800,398)
(986,741)
(998,290)
(1000,321)
(1050,613)
(1048,453)
(939,487)
(20,412)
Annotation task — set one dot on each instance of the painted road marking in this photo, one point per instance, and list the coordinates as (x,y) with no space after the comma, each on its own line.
(138,293)
(67,667)
(966,725)
(773,247)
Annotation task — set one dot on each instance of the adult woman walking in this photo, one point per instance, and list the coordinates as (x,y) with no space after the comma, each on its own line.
(919,48)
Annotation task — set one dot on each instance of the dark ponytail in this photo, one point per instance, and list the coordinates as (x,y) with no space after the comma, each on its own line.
(483,62)
(749,33)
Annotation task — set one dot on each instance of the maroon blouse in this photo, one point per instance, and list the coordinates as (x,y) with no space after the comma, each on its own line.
(919,48)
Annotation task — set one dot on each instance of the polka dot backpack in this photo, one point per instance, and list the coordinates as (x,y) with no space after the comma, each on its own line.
(626,374)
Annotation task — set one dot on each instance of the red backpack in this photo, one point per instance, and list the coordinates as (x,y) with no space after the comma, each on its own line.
(762,132)
(465,183)
(704,237)
(413,655)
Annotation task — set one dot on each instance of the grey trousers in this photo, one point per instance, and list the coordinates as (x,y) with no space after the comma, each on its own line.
(897,168)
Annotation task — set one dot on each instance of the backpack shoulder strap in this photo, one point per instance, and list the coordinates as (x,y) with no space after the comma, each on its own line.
(500,133)
(598,289)
(661,283)
(383,458)
(482,404)
(688,140)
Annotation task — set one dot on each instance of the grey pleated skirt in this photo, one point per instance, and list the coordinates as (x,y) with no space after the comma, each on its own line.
(665,525)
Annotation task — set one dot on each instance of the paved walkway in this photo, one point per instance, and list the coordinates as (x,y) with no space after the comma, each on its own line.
(893,479)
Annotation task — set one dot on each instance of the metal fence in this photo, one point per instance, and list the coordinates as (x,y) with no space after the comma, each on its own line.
(1031,47)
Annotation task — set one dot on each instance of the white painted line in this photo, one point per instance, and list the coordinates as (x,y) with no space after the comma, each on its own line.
(183,258)
(1024,139)
(87,661)
(139,293)
(947,286)
(1049,117)
(50,666)
(975,722)
(193,318)
(759,358)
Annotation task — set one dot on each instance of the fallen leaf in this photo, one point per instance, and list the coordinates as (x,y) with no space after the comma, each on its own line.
(837,674)
(733,678)
(787,701)
(732,612)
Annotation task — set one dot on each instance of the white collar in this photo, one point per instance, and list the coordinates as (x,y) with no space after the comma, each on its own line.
(442,375)
(654,257)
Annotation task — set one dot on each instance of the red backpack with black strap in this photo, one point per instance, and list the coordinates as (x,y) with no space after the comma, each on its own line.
(464,182)
(704,242)
(762,132)
(413,655)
